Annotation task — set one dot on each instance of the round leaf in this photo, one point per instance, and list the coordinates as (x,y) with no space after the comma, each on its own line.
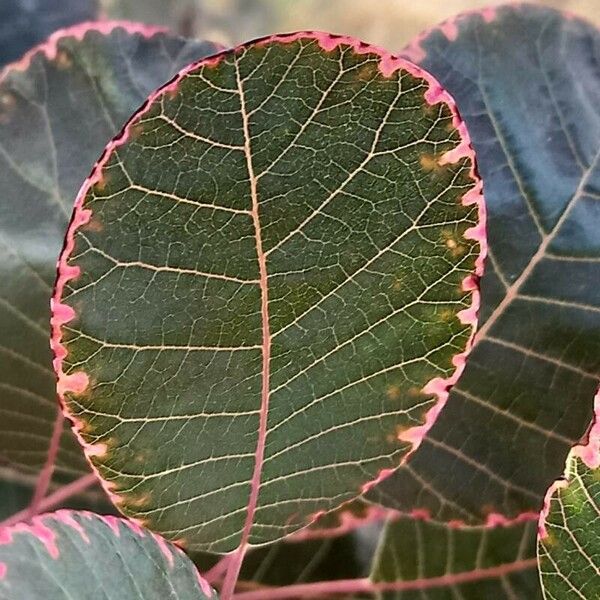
(265,287)
(527,83)
(66,555)
(25,23)
(58,109)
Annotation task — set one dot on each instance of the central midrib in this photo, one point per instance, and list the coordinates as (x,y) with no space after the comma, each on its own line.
(233,571)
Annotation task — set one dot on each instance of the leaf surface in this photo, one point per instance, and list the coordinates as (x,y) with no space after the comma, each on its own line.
(67,554)
(569,532)
(409,559)
(569,552)
(26,23)
(527,83)
(265,286)
(441,562)
(58,109)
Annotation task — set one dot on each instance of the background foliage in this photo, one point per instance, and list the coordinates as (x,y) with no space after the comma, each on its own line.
(389,23)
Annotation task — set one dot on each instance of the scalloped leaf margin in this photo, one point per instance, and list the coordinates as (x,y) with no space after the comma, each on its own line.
(76,382)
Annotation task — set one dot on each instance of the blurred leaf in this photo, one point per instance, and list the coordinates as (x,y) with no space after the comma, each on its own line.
(25,23)
(56,115)
(67,555)
(470,564)
(527,83)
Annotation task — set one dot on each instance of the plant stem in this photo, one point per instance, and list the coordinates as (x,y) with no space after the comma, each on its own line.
(45,476)
(216,572)
(354,586)
(54,499)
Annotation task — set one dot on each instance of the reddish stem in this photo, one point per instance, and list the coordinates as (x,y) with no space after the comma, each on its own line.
(355,586)
(234,566)
(216,572)
(45,476)
(54,499)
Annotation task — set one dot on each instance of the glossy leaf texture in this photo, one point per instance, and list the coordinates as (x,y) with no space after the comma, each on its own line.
(569,533)
(265,287)
(70,554)
(26,23)
(58,108)
(527,83)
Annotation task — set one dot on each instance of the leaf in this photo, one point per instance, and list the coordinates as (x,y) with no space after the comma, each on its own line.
(339,545)
(264,278)
(58,108)
(25,23)
(68,554)
(290,562)
(413,559)
(569,534)
(430,561)
(569,554)
(527,83)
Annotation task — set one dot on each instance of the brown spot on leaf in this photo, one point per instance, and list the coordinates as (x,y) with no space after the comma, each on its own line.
(135,131)
(100,185)
(94,224)
(430,163)
(139,501)
(453,243)
(367,72)
(63,59)
(446,315)
(8,101)
(415,392)
(393,392)
(397,284)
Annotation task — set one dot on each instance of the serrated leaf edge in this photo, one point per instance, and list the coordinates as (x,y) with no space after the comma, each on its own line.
(78,382)
(49,48)
(41,528)
(589,453)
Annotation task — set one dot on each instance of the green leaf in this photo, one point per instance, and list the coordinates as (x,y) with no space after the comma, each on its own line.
(66,555)
(569,541)
(339,545)
(25,23)
(57,111)
(264,278)
(527,83)
(430,561)
(407,559)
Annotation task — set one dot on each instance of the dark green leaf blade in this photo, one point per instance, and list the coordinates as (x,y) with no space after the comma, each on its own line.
(281,360)
(26,23)
(431,561)
(58,108)
(527,83)
(69,554)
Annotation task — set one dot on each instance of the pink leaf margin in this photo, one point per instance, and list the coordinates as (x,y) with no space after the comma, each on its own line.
(49,48)
(78,382)
(415,52)
(41,527)
(588,452)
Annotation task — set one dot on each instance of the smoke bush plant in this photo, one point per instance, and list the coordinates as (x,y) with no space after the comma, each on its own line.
(326,319)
